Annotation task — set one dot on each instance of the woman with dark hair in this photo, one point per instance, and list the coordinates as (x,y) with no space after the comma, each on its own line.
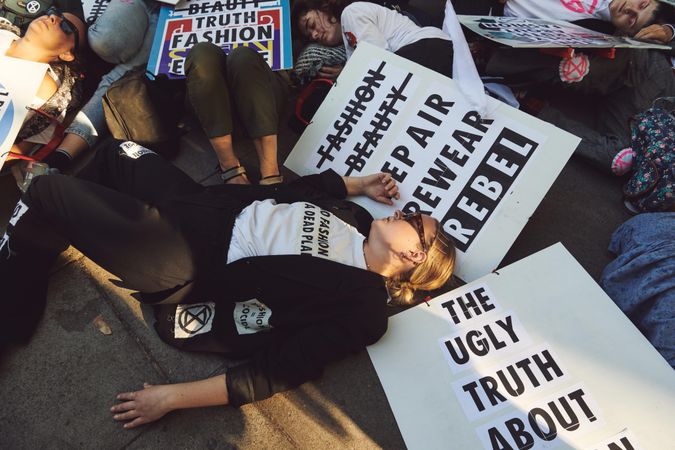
(330,22)
(55,39)
(293,276)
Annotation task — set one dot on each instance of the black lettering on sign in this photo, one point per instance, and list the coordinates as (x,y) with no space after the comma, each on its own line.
(543,422)
(217,6)
(493,177)
(479,342)
(353,111)
(472,304)
(511,380)
(624,444)
(379,125)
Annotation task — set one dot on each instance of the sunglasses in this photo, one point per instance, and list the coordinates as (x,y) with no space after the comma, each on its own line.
(66,25)
(415,219)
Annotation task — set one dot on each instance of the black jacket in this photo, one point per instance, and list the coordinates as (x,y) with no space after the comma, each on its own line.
(321,310)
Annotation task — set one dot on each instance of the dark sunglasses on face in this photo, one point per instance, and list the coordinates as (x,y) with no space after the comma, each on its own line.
(66,25)
(415,219)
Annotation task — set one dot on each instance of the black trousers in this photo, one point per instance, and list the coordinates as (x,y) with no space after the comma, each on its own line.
(435,54)
(135,217)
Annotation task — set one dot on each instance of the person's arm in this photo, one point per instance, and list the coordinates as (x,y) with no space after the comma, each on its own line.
(301,357)
(330,72)
(380,187)
(154,401)
(358,22)
(657,32)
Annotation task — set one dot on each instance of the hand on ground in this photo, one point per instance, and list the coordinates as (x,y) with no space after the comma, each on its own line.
(141,407)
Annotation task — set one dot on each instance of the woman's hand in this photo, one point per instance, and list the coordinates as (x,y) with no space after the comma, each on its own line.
(144,406)
(656,32)
(330,72)
(153,402)
(381,187)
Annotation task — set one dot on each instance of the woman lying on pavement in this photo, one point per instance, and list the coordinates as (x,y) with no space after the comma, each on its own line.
(294,276)
(329,22)
(55,38)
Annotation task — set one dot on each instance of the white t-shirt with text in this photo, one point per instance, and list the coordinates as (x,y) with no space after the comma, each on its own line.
(382,27)
(567,10)
(265,228)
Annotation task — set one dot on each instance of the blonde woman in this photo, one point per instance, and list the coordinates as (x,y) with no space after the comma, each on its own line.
(293,276)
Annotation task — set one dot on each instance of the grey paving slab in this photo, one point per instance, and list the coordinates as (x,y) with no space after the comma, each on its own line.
(582,209)
(171,364)
(56,391)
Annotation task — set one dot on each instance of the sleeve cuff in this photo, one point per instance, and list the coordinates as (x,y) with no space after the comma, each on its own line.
(672,31)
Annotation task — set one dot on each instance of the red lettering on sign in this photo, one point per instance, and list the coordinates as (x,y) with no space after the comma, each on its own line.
(579,6)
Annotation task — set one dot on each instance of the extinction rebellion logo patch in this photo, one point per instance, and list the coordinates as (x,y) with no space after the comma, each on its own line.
(192,320)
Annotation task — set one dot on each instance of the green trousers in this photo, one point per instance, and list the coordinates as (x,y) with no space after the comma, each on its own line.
(236,93)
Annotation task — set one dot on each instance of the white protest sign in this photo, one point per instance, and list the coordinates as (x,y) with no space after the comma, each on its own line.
(583,378)
(481,180)
(522,32)
(19,82)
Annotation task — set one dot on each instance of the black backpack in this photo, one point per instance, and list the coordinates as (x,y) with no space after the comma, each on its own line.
(146,110)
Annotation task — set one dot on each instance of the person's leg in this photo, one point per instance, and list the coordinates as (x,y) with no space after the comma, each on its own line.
(209,96)
(134,170)
(141,244)
(596,147)
(260,97)
(585,73)
(434,54)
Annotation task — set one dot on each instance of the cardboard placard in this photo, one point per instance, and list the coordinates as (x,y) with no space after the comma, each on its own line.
(19,82)
(263,25)
(481,180)
(524,32)
(533,356)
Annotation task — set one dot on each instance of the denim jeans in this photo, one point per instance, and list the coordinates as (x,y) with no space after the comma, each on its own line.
(122,35)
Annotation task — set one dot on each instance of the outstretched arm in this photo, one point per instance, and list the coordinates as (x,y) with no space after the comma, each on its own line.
(154,401)
(380,187)
(657,32)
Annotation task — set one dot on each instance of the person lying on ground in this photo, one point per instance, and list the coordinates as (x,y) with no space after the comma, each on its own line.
(55,39)
(122,35)
(627,16)
(614,89)
(331,22)
(293,276)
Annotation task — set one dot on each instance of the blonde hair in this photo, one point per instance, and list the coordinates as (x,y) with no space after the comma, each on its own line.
(433,273)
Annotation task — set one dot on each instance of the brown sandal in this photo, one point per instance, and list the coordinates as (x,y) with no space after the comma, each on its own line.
(232,173)
(271,179)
